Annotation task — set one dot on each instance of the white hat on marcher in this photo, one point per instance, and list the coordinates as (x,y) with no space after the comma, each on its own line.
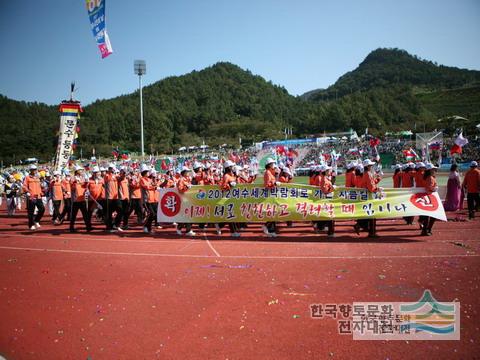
(144,167)
(270,161)
(228,164)
(368,162)
(473,164)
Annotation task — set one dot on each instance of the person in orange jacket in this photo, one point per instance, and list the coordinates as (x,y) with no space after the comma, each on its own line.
(270,182)
(350,176)
(149,198)
(471,183)
(124,197)
(430,185)
(135,197)
(370,183)
(327,187)
(67,197)
(184,183)
(80,199)
(418,177)
(56,189)
(32,189)
(113,203)
(397,176)
(95,190)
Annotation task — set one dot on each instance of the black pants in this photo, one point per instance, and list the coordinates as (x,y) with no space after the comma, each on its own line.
(82,206)
(426,223)
(271,227)
(473,201)
(409,219)
(67,209)
(151,215)
(125,211)
(135,205)
(372,227)
(113,205)
(56,209)
(31,204)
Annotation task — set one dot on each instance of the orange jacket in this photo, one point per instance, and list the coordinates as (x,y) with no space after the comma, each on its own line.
(472,181)
(358,181)
(369,182)
(136,192)
(269,180)
(183,184)
(419,182)
(31,184)
(326,185)
(79,186)
(318,180)
(350,179)
(430,184)
(397,179)
(123,189)
(148,189)
(56,189)
(407,179)
(227,179)
(111,186)
(95,187)
(67,189)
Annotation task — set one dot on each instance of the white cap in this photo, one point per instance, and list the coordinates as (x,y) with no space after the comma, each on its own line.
(270,161)
(246,167)
(185,169)
(123,168)
(237,168)
(78,167)
(420,165)
(153,172)
(411,165)
(56,172)
(350,166)
(368,162)
(431,166)
(33,167)
(228,164)
(102,168)
(473,164)
(197,165)
(359,167)
(111,166)
(144,167)
(397,166)
(95,169)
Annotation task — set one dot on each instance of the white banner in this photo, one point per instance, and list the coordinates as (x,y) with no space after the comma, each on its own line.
(68,125)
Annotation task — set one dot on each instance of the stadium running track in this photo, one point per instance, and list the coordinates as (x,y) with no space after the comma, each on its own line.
(131,296)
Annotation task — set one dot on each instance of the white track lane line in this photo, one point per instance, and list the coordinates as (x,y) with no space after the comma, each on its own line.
(89,238)
(211,246)
(361,257)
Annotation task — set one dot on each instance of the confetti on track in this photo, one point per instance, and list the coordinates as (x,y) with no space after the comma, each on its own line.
(129,296)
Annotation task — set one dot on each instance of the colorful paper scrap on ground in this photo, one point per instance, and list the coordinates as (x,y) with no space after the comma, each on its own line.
(292,202)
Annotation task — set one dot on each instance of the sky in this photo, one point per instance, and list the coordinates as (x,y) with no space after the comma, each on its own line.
(301,45)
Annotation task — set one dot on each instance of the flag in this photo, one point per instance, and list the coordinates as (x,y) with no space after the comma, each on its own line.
(410,154)
(164,165)
(461,141)
(455,149)
(96,13)
(374,142)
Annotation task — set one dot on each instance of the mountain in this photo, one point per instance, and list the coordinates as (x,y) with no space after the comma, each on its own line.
(390,90)
(389,67)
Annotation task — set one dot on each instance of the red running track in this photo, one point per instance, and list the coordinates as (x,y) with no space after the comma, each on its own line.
(131,296)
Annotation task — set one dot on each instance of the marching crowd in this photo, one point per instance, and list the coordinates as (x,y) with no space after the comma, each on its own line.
(109,195)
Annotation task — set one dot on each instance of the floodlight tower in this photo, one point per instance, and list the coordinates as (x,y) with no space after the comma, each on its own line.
(140,68)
